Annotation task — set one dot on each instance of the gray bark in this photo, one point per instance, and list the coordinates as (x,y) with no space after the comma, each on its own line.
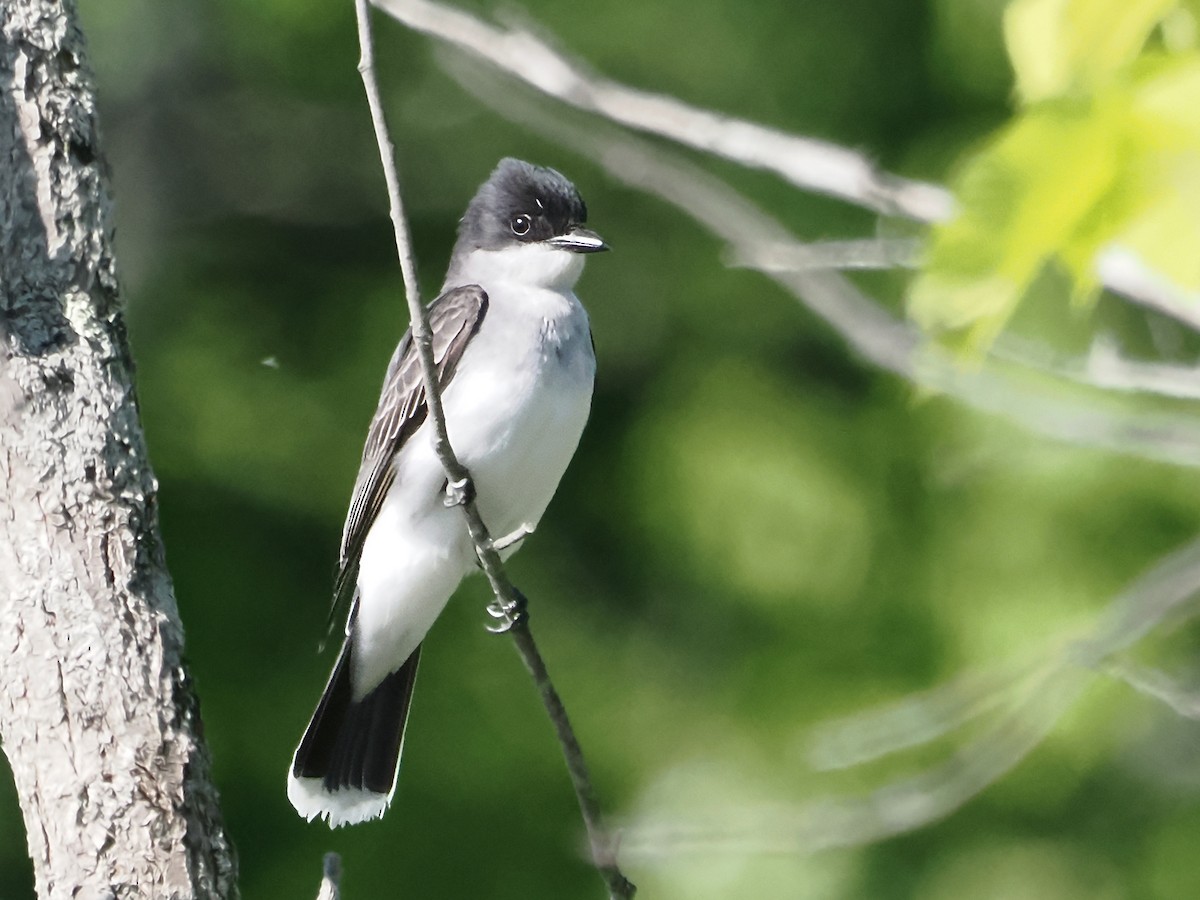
(97,716)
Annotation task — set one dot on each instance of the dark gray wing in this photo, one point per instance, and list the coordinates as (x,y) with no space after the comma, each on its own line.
(454,318)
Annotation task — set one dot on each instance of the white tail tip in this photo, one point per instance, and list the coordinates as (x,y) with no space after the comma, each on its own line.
(346,806)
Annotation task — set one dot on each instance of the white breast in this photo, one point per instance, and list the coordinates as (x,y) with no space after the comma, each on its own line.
(515,410)
(517,407)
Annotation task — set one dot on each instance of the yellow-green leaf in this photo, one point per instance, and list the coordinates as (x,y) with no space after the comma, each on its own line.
(1058,47)
(1021,199)
(1067,179)
(1166,236)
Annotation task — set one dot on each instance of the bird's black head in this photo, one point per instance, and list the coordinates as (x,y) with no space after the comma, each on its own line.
(522,203)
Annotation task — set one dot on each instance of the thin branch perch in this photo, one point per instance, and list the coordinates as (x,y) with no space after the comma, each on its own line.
(510,603)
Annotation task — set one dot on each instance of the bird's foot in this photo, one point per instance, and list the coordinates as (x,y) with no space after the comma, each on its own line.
(459,492)
(508,614)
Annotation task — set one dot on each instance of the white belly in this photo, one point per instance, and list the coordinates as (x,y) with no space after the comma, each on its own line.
(515,411)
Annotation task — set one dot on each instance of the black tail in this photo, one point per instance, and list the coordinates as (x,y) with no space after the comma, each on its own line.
(355,745)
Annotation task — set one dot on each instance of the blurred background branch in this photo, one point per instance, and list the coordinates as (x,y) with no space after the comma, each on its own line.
(1010,383)
(1124,272)
(806,163)
(756,241)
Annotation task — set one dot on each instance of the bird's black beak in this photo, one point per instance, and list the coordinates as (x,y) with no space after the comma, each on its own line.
(578,240)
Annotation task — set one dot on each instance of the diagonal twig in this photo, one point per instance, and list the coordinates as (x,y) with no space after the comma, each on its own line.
(461,493)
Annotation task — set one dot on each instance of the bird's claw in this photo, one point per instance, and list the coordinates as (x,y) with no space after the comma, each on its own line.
(460,492)
(508,615)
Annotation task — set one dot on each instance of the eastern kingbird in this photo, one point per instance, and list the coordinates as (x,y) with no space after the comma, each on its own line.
(515,364)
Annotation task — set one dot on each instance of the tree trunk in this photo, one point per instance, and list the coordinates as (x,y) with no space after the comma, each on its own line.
(97,715)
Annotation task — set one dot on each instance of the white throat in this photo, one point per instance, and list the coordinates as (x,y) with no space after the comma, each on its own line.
(528,265)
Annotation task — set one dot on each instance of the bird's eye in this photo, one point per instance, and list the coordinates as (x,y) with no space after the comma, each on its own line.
(521,224)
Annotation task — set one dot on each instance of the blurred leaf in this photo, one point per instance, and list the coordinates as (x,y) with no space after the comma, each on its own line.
(1059,47)
(1019,204)
(1067,178)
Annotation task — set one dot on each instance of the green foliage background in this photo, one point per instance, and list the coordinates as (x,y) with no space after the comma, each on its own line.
(758,533)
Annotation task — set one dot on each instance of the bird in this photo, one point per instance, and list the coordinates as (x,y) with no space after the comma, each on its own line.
(516,366)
